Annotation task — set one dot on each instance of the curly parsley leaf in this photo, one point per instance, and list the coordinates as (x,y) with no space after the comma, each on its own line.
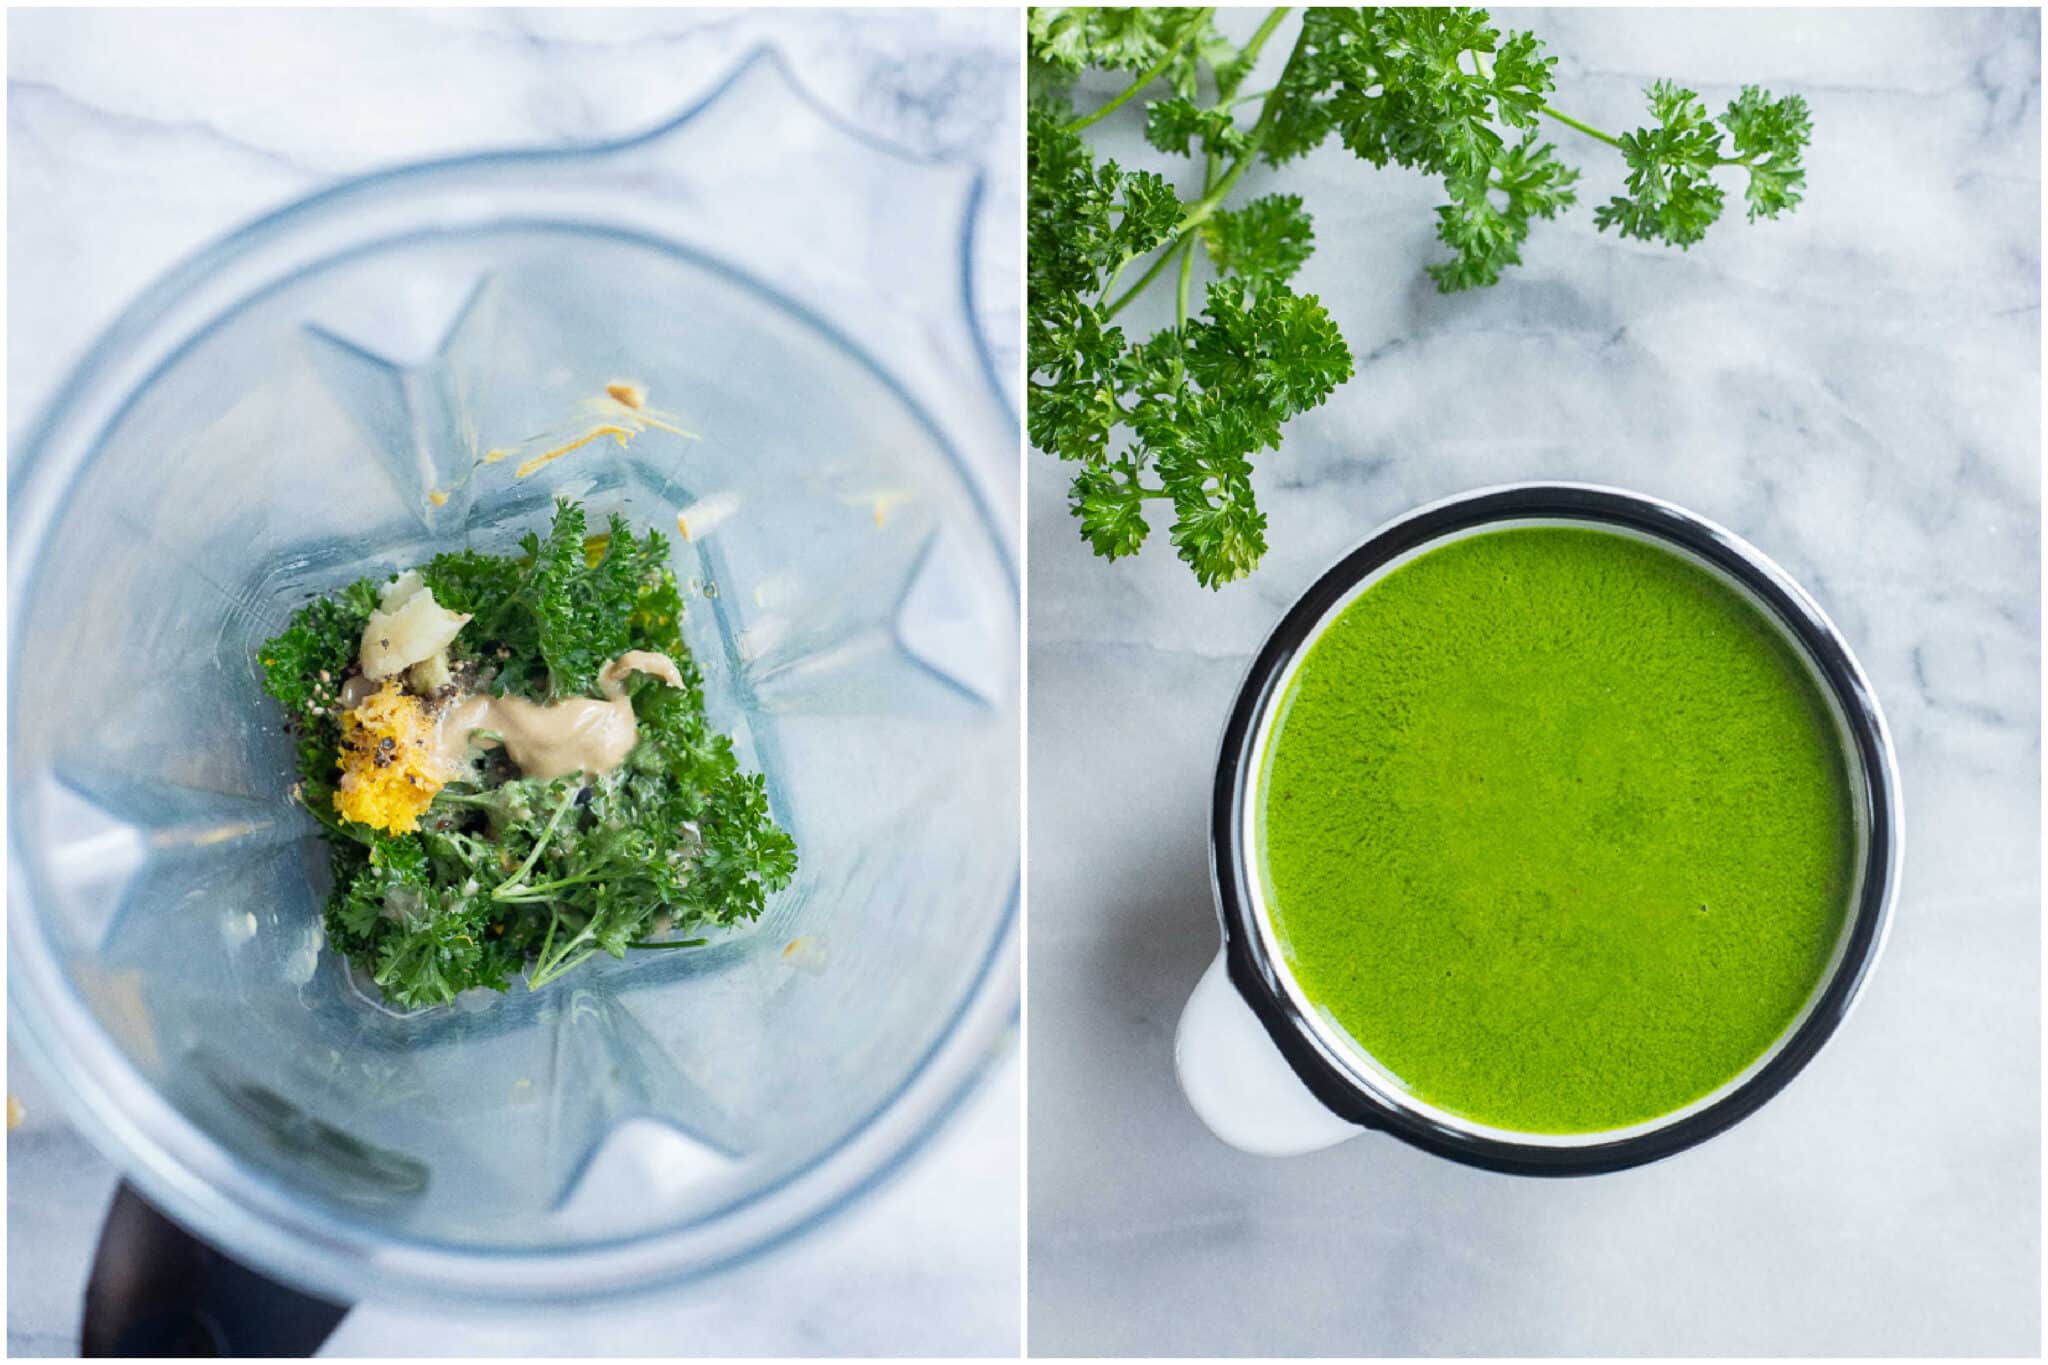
(303,664)
(1218,529)
(1173,41)
(1428,89)
(1269,238)
(1179,126)
(471,582)
(1179,416)
(1671,195)
(1770,138)
(1488,216)
(558,611)
(1111,507)
(1276,356)
(1117,39)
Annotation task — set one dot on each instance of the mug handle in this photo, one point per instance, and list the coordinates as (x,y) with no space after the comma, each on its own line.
(1238,1083)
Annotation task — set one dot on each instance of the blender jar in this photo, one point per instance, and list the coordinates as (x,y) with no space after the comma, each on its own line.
(312,400)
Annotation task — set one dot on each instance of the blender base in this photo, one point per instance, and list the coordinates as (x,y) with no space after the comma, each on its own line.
(156,1290)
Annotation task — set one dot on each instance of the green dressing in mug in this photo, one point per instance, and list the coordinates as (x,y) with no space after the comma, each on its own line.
(1557,827)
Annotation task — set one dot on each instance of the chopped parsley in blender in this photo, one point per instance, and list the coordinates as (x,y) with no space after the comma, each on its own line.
(510,759)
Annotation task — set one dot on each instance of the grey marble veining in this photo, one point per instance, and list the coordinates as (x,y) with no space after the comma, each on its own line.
(136,136)
(1855,389)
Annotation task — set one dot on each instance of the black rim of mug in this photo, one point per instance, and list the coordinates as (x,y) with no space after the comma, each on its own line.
(1258,979)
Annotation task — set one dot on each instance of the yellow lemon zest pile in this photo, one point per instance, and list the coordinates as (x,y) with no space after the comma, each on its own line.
(388,770)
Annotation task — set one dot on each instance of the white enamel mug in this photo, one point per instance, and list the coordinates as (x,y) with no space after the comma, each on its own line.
(1270,1074)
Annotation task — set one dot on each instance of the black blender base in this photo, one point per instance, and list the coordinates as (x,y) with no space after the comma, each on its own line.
(156,1290)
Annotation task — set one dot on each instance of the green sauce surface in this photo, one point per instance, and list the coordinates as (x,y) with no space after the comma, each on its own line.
(1555,825)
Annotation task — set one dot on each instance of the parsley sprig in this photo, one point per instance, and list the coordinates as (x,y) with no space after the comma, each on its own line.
(1178,418)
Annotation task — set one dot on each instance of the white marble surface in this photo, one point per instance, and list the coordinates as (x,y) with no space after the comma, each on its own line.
(1857,390)
(136,136)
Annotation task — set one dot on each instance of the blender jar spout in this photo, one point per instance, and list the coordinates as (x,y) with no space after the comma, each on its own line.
(876,237)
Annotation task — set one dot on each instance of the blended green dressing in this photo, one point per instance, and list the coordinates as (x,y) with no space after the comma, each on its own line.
(1557,827)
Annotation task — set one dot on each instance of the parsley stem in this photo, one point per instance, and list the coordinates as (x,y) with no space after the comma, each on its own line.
(1180,296)
(1249,57)
(545,969)
(1187,262)
(1146,77)
(1198,212)
(568,800)
(541,891)
(1588,129)
(1143,280)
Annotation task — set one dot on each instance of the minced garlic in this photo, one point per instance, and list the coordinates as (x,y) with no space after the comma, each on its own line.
(408,627)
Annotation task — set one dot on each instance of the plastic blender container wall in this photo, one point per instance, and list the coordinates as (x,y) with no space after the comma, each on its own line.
(851,599)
